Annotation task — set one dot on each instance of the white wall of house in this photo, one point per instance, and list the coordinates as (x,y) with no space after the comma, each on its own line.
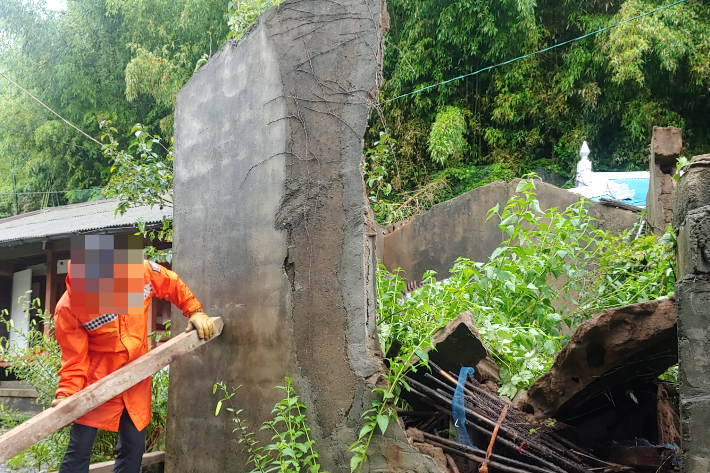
(19,311)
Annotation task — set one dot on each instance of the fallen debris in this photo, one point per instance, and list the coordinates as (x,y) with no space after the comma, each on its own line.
(500,435)
(620,205)
(459,344)
(600,408)
(607,357)
(667,415)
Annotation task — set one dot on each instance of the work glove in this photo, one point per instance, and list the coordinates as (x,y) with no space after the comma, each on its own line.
(202,323)
(56,401)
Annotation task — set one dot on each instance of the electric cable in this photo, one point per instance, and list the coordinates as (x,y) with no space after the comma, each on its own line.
(47,107)
(42,138)
(51,192)
(601,30)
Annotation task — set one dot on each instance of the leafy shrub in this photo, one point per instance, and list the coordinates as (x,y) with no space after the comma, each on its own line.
(553,270)
(242,13)
(447,137)
(292,450)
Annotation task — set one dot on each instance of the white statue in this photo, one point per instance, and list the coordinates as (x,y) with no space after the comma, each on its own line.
(591,186)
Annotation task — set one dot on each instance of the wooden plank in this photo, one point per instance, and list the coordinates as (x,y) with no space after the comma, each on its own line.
(620,205)
(42,425)
(107,467)
(20,250)
(50,295)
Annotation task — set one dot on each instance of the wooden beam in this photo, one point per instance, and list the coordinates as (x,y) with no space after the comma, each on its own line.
(42,425)
(21,250)
(6,268)
(107,467)
(50,293)
(620,205)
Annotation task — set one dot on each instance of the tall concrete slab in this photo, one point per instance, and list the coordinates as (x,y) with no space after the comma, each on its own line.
(273,234)
(692,226)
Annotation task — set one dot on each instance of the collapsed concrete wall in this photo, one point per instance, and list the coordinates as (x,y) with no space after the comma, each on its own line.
(273,234)
(458,228)
(619,351)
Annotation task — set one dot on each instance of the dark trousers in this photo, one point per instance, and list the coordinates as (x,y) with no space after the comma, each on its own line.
(129,449)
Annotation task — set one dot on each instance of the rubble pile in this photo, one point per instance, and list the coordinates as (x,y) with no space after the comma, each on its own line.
(600,408)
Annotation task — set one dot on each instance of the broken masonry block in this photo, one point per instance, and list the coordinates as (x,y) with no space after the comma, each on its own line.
(268,153)
(614,351)
(667,416)
(459,344)
(666,146)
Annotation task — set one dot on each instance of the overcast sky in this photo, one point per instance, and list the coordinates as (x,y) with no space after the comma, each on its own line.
(56,5)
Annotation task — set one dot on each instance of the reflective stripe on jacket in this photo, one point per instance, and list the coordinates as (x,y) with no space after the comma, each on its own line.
(94,346)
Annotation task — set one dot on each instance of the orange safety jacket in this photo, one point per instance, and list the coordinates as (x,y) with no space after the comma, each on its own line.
(94,346)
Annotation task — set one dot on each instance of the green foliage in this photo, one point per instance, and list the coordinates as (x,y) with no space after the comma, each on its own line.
(447,137)
(671,375)
(553,270)
(98,60)
(609,89)
(143,177)
(422,321)
(34,356)
(292,448)
(242,13)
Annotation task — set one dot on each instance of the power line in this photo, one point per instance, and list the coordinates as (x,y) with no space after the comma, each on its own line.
(42,138)
(51,192)
(537,52)
(45,106)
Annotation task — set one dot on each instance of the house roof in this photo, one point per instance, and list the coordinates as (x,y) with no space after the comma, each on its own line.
(638,184)
(638,181)
(61,222)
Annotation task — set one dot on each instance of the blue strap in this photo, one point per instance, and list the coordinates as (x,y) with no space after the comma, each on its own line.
(457,407)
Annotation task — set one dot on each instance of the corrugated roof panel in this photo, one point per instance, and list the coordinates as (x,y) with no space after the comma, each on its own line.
(72,219)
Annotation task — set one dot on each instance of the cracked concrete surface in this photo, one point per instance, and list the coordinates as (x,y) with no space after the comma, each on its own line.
(270,212)
(692,227)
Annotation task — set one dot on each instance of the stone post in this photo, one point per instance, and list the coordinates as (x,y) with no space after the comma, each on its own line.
(273,234)
(666,144)
(691,223)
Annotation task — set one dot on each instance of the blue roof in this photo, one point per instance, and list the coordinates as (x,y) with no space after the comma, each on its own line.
(640,185)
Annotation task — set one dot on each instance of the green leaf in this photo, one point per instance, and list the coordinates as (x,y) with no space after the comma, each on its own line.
(497,252)
(355,461)
(422,355)
(383,421)
(366,429)
(219,406)
(512,220)
(535,205)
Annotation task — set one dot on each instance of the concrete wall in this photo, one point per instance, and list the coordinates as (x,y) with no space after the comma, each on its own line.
(273,234)
(458,228)
(691,223)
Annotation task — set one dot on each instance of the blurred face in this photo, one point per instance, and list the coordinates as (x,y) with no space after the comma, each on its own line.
(107,274)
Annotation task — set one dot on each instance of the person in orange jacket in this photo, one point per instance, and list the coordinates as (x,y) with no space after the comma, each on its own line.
(95,345)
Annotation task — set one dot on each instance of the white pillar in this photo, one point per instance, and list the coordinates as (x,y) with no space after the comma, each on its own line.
(20,308)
